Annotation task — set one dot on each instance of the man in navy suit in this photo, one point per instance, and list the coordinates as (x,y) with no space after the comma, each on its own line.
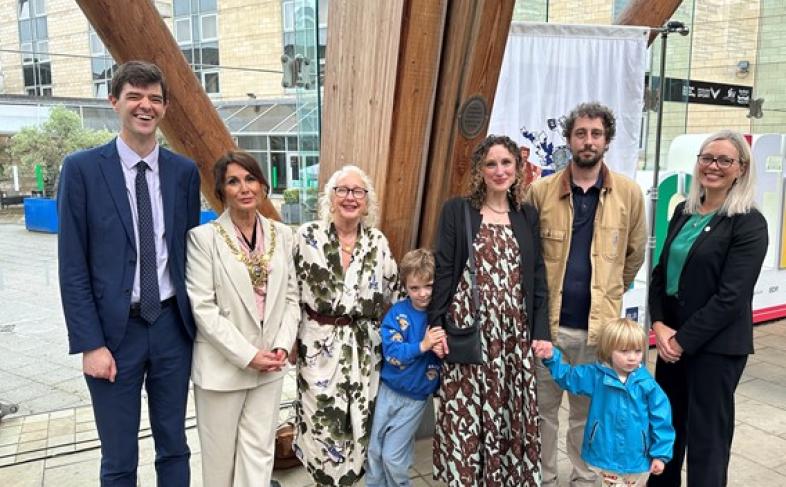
(124,211)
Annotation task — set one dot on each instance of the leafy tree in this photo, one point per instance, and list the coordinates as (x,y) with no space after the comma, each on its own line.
(49,143)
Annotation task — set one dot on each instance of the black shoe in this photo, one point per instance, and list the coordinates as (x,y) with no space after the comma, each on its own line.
(275,483)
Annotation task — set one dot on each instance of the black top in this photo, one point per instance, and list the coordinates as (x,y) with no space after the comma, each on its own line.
(713,311)
(574,312)
(452,254)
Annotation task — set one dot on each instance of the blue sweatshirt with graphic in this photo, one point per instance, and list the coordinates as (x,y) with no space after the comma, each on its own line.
(405,368)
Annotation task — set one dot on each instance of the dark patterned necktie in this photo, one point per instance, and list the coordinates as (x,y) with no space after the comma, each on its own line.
(149,298)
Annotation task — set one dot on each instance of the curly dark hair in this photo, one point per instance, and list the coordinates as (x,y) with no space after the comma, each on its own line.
(591,110)
(477,186)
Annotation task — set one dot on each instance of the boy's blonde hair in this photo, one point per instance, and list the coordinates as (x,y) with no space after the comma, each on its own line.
(620,334)
(419,263)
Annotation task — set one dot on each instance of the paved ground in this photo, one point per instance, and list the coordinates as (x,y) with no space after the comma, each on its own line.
(52,441)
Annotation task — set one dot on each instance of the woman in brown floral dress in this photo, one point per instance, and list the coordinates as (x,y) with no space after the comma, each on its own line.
(487,421)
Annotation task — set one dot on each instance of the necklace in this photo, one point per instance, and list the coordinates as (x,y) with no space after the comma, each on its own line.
(346,248)
(257,265)
(498,212)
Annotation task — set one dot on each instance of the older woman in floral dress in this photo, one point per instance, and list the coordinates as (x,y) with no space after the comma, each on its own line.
(347,277)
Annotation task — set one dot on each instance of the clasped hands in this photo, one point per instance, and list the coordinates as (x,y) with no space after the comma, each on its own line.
(269,361)
(669,349)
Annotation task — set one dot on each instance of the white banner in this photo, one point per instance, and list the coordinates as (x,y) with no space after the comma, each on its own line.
(548,69)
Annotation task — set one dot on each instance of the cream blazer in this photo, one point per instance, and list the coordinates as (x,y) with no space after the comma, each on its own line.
(222,299)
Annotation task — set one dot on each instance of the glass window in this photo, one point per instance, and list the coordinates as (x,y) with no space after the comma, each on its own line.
(100,89)
(27,52)
(46,91)
(24,9)
(253,142)
(209,27)
(25,30)
(278,171)
(292,144)
(42,50)
(288,14)
(277,143)
(28,72)
(181,7)
(40,7)
(209,55)
(45,73)
(207,5)
(96,46)
(211,82)
(40,28)
(323,13)
(183,30)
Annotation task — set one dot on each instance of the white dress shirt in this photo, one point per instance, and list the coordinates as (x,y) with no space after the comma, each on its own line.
(129,160)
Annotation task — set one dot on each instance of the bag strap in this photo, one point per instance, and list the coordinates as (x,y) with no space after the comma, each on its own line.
(471,252)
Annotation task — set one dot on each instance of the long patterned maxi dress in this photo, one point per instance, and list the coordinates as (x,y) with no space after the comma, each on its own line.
(338,366)
(487,422)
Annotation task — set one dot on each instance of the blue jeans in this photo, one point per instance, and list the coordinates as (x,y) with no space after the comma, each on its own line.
(392,442)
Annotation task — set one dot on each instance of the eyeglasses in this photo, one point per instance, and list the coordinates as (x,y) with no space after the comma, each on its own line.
(721,161)
(343,192)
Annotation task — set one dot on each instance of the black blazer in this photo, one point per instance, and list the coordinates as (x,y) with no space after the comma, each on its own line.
(452,254)
(712,309)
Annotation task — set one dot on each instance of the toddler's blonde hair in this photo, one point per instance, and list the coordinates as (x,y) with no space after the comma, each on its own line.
(620,334)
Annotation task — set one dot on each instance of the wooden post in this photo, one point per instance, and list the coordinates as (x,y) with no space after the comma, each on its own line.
(648,13)
(471,62)
(193,127)
(383,60)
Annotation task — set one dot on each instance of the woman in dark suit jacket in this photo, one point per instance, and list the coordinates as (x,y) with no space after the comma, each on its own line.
(487,423)
(700,304)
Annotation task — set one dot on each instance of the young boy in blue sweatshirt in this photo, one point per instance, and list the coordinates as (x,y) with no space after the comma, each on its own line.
(629,434)
(410,374)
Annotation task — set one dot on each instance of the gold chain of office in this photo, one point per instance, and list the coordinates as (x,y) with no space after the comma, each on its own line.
(257,265)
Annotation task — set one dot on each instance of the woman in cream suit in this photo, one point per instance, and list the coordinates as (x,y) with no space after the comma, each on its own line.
(244,294)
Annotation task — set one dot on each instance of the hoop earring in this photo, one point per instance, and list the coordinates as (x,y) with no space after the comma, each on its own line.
(332,209)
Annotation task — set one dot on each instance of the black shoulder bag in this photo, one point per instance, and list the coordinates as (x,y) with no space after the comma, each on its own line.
(464,345)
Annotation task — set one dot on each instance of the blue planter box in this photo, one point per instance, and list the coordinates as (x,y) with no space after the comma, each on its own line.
(41,215)
(207,216)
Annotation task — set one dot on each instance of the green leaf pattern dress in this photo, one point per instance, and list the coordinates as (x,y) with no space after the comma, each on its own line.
(338,366)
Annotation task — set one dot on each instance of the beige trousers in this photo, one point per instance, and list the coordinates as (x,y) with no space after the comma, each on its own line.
(237,433)
(573,344)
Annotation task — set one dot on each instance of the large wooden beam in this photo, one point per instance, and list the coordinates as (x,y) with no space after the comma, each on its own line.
(474,45)
(383,60)
(193,127)
(648,13)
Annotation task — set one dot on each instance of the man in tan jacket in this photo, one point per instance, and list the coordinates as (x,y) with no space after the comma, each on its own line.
(593,235)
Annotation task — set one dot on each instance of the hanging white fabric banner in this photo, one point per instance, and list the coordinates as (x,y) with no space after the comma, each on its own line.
(548,69)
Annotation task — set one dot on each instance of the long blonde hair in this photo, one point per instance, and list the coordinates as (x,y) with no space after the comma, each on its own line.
(740,198)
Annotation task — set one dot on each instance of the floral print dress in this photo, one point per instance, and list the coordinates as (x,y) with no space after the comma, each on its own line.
(338,366)
(487,422)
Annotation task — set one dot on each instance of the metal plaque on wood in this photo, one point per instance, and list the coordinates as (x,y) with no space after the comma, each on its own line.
(473,115)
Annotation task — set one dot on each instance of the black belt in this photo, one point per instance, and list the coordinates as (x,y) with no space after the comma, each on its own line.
(133,312)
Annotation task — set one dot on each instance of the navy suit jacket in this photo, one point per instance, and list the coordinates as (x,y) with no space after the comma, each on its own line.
(96,244)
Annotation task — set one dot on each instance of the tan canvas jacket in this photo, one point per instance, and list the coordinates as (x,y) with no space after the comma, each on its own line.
(618,242)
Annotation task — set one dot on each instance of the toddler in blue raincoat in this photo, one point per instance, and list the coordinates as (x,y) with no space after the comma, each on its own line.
(629,432)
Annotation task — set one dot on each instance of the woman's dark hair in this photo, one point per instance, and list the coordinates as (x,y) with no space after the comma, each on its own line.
(138,73)
(477,186)
(242,159)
